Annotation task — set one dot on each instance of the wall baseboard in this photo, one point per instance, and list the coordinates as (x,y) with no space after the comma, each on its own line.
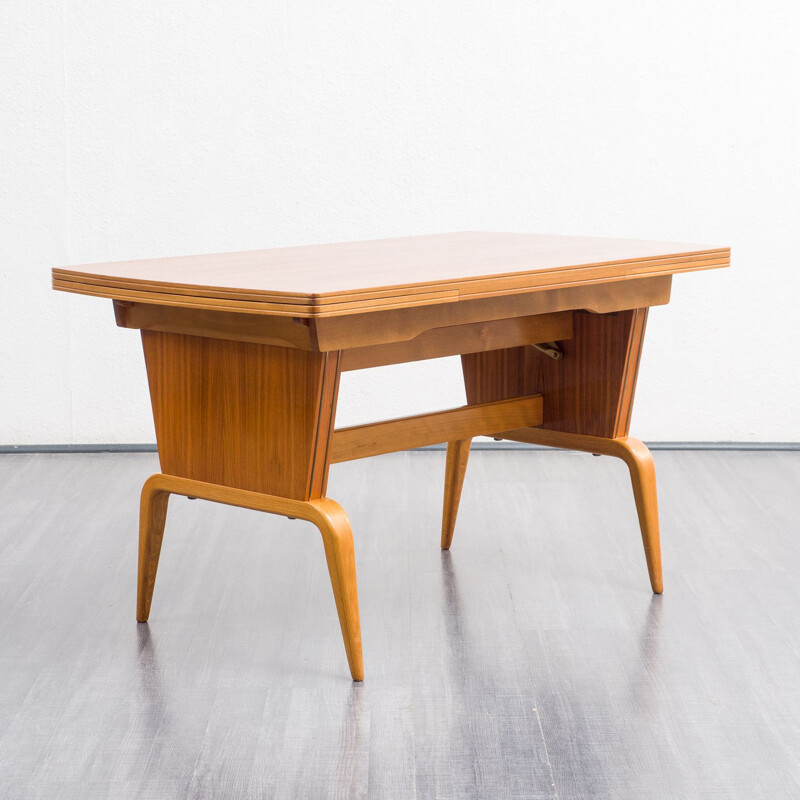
(478,445)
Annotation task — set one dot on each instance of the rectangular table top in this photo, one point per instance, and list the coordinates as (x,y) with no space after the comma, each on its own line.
(354,277)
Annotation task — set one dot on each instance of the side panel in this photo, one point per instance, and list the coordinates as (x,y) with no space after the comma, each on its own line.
(589,391)
(249,416)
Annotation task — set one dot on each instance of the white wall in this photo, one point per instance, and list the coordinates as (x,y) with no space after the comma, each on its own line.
(136,129)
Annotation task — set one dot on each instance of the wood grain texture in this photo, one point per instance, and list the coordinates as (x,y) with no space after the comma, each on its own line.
(587,401)
(244,415)
(239,327)
(413,332)
(363,441)
(589,391)
(352,277)
(631,359)
(454,340)
(454,471)
(152,518)
(400,325)
(642,470)
(329,517)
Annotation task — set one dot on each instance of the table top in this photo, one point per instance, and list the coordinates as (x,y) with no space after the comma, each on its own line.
(354,277)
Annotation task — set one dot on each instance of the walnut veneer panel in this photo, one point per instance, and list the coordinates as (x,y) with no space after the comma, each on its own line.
(248,416)
(589,391)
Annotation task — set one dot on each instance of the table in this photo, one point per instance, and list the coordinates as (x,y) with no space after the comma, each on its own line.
(244,352)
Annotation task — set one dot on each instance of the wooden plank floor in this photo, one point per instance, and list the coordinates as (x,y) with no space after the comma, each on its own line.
(532,661)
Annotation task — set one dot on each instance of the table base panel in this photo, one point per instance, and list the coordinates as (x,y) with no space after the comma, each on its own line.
(588,391)
(251,416)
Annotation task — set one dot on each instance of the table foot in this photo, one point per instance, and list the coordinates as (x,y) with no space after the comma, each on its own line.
(643,478)
(337,537)
(455,469)
(329,517)
(152,518)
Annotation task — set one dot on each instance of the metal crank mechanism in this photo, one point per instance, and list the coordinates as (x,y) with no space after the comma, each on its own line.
(550,349)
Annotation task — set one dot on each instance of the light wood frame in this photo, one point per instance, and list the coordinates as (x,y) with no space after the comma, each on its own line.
(588,397)
(245,415)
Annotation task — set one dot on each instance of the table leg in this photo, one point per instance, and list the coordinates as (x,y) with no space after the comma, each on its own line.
(588,398)
(249,425)
(152,519)
(329,517)
(455,469)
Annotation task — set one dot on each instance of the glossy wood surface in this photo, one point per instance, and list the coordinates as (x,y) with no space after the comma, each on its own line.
(248,416)
(326,514)
(376,438)
(588,391)
(352,277)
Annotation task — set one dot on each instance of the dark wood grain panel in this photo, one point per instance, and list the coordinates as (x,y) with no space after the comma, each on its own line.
(588,391)
(244,415)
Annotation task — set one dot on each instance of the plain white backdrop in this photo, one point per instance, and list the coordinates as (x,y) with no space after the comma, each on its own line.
(139,129)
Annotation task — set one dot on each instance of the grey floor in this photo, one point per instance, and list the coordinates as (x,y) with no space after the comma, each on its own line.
(530,662)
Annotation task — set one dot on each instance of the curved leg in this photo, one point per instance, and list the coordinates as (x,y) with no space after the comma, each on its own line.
(327,515)
(643,478)
(152,517)
(455,469)
(337,537)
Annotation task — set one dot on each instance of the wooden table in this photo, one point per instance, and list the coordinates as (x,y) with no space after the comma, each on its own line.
(244,352)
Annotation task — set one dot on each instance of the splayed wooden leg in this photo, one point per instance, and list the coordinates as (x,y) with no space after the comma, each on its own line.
(152,518)
(455,469)
(329,517)
(643,477)
(337,538)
